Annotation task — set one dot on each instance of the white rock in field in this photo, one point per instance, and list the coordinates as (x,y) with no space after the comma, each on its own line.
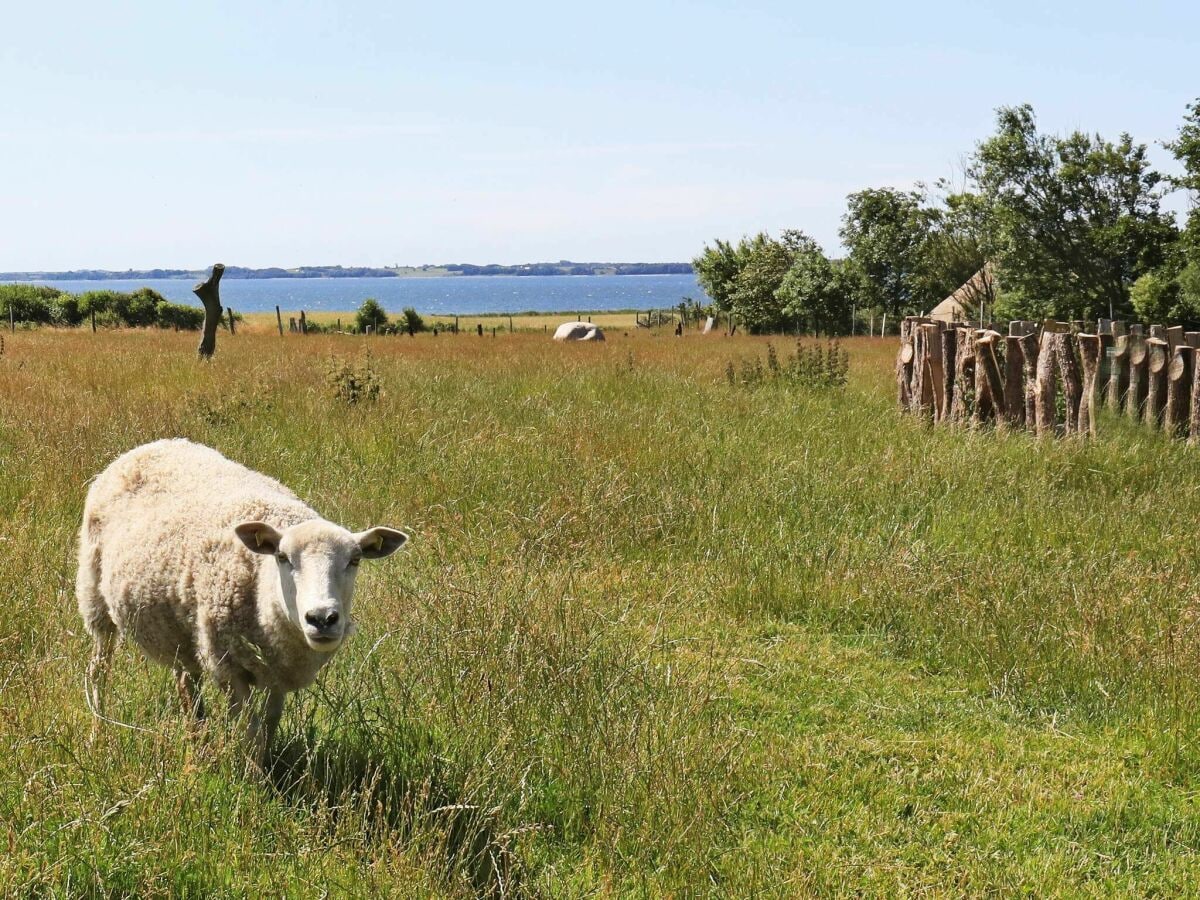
(212,568)
(578,331)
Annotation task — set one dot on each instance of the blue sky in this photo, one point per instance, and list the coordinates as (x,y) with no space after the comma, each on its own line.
(138,134)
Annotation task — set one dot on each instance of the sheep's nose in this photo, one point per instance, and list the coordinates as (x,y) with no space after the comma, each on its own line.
(322,618)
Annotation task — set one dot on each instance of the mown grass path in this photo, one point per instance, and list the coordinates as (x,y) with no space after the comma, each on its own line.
(655,634)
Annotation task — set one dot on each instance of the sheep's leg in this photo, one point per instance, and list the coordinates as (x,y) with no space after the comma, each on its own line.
(240,706)
(97,675)
(188,686)
(271,715)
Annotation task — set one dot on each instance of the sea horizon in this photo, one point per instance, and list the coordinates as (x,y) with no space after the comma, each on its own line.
(431,295)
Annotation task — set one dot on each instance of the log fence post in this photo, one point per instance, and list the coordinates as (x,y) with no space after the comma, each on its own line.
(1046,386)
(1014,381)
(949,342)
(1179,390)
(904,367)
(1135,397)
(1090,346)
(1156,389)
(988,381)
(279,320)
(964,374)
(1068,369)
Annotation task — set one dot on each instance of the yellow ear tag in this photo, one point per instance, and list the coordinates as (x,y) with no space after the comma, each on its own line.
(258,538)
(379,542)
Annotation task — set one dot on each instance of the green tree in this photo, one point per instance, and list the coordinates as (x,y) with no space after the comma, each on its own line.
(755,297)
(887,232)
(718,267)
(371,315)
(816,292)
(1069,222)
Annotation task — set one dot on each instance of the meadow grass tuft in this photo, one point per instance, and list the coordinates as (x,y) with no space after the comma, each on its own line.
(655,634)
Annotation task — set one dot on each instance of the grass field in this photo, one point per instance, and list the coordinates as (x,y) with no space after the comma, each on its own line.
(655,635)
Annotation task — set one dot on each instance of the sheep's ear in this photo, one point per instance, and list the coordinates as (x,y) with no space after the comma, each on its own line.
(259,537)
(379,542)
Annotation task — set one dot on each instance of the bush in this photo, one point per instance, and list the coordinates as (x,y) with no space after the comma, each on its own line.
(176,315)
(413,321)
(352,384)
(28,302)
(810,366)
(370,315)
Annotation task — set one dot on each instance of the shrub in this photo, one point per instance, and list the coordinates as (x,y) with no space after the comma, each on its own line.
(371,315)
(28,302)
(352,384)
(413,321)
(812,365)
(177,315)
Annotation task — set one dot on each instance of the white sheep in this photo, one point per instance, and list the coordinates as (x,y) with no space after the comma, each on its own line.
(208,566)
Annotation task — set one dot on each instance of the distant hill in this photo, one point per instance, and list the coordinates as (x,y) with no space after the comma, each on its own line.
(562,267)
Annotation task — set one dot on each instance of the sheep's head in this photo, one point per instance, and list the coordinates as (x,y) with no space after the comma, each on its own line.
(317,562)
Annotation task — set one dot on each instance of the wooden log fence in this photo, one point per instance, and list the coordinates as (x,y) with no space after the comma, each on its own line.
(1050,377)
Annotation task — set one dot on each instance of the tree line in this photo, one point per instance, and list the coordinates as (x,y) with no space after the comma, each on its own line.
(40,304)
(1039,226)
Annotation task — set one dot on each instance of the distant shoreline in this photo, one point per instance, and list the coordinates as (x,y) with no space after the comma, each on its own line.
(457,270)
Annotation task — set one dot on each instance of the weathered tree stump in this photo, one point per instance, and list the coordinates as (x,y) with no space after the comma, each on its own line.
(209,292)
(1156,390)
(1014,381)
(1135,396)
(1046,385)
(1068,369)
(1090,346)
(1179,390)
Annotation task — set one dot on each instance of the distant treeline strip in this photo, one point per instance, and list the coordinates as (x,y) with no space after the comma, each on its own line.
(559,268)
(39,304)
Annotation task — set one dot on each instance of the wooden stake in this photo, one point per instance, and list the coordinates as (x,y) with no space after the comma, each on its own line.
(1179,390)
(1118,372)
(949,341)
(904,367)
(988,365)
(1135,397)
(1194,401)
(279,320)
(964,374)
(229,309)
(209,292)
(1046,386)
(935,376)
(1068,369)
(1156,391)
(1014,381)
(1089,354)
(1029,360)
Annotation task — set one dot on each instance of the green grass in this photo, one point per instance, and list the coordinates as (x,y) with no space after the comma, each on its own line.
(654,635)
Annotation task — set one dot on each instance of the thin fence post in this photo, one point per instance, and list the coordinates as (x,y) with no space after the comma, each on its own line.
(229,309)
(279,320)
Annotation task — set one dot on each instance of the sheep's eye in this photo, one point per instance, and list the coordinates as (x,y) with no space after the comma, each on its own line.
(355,561)
(282,557)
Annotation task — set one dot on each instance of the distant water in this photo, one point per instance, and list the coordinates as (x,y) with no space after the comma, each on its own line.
(454,295)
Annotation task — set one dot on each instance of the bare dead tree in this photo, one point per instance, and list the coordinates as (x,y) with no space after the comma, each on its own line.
(210,295)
